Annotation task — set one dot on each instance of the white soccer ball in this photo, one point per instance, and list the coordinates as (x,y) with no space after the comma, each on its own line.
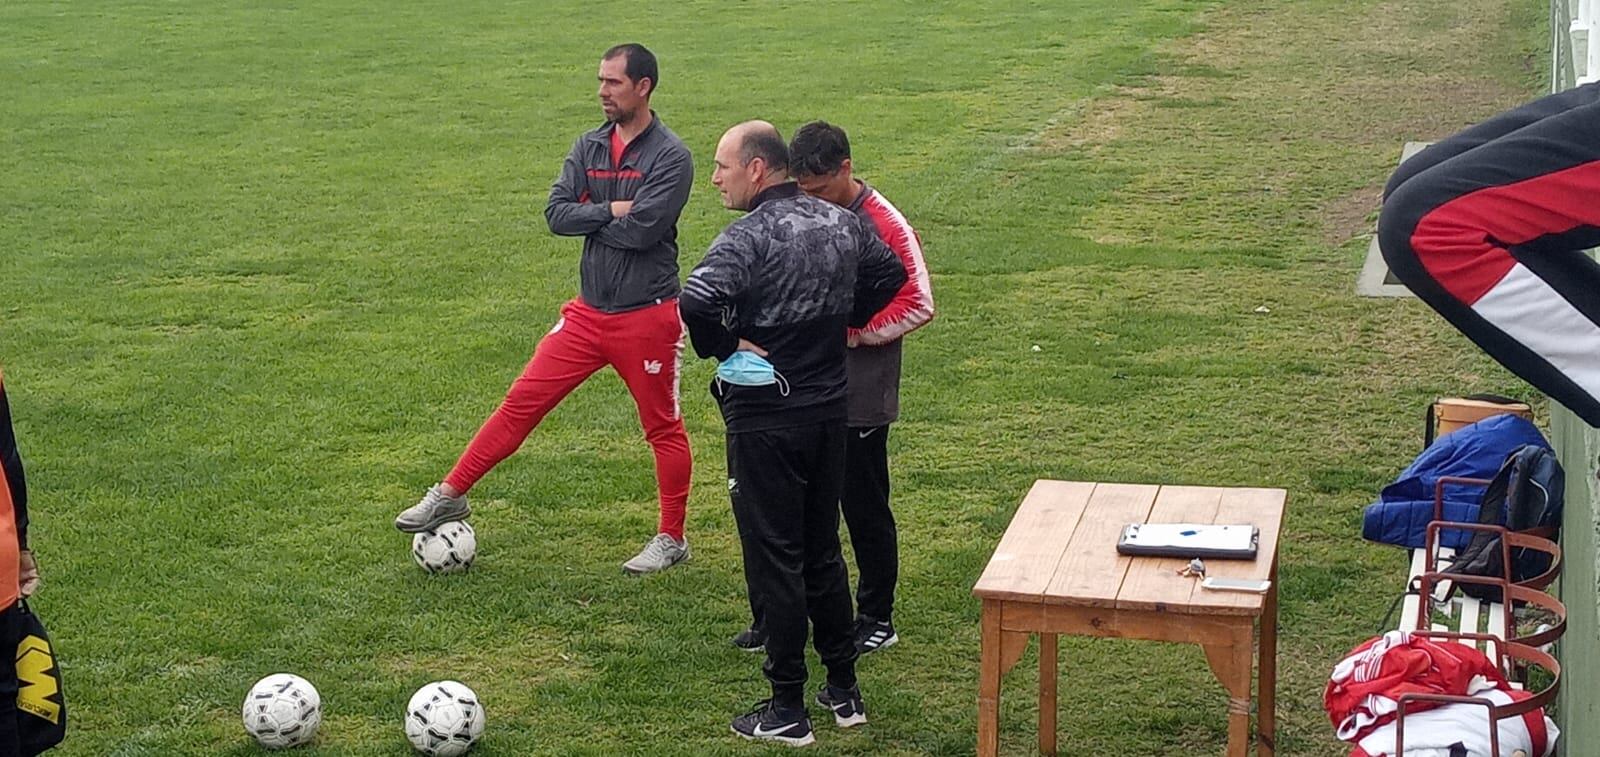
(282,710)
(445,549)
(444,719)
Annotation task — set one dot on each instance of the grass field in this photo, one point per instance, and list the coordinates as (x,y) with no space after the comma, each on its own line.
(264,267)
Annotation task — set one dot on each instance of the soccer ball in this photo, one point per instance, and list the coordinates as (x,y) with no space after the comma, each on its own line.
(282,710)
(445,549)
(444,719)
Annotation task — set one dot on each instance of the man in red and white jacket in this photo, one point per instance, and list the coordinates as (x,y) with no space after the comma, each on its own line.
(820,164)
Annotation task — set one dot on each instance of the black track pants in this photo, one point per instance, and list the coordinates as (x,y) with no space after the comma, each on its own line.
(785,486)
(866,512)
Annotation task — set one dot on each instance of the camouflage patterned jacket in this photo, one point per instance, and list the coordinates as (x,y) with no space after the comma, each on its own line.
(790,276)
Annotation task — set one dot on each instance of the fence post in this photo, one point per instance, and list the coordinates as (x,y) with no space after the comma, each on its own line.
(1587,23)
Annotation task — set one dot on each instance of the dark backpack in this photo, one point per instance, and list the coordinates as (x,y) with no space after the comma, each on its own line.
(1526,495)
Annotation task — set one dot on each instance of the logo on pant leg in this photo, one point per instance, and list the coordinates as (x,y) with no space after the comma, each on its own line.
(733,485)
(652,367)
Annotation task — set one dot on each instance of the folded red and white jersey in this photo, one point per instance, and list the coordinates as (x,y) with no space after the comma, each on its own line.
(1365,688)
(1462,730)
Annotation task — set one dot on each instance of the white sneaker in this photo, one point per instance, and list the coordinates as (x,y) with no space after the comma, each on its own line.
(660,553)
(433,511)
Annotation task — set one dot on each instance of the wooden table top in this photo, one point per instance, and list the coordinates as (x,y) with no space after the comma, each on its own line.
(1061,547)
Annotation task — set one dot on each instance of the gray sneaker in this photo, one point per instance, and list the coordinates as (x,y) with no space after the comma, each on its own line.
(661,553)
(433,511)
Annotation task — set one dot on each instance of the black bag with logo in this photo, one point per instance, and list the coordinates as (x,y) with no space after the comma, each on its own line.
(41,705)
(1526,495)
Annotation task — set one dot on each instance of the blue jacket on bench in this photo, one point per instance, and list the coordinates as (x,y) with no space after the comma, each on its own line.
(1404,508)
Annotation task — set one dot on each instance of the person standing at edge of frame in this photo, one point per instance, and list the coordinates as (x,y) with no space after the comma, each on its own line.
(772,300)
(819,160)
(19,573)
(622,188)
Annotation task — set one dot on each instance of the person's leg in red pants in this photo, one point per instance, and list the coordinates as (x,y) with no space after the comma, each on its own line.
(564,359)
(645,347)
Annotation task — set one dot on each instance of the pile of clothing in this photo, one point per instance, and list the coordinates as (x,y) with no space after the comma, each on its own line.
(1363,701)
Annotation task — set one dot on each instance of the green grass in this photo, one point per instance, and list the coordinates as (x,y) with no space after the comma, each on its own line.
(265,267)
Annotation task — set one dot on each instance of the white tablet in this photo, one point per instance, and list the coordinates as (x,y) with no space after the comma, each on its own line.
(1189,540)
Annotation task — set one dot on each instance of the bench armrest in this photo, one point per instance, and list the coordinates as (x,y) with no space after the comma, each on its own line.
(1438,491)
(1511,594)
(1509,540)
(1510,653)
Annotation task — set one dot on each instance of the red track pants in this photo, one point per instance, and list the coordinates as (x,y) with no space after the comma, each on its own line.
(644,347)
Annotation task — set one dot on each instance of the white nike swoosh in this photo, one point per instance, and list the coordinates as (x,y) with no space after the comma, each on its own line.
(865,434)
(764,732)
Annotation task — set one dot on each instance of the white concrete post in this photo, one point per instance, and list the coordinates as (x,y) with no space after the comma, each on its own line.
(1586,39)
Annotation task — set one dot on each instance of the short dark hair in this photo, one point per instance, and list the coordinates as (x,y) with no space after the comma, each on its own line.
(641,63)
(818,149)
(766,144)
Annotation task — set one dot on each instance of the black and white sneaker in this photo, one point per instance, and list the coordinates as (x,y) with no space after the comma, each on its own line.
(768,723)
(848,709)
(751,640)
(873,634)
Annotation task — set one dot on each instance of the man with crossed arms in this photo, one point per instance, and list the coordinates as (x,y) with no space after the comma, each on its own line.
(622,189)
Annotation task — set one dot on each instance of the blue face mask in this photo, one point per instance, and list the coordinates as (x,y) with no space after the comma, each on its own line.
(744,368)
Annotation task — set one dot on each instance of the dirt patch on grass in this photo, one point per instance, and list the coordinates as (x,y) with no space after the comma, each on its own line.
(1102,121)
(1420,108)
(1276,126)
(1350,216)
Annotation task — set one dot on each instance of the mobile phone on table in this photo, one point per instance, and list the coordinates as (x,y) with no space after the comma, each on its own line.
(1252,585)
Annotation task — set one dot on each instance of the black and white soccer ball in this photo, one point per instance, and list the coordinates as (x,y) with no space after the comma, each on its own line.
(444,719)
(282,711)
(445,549)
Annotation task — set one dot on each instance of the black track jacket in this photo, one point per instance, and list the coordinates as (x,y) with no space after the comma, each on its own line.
(789,276)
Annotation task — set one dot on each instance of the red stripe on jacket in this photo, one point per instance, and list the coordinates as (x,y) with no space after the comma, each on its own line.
(912,306)
(1463,243)
(626,173)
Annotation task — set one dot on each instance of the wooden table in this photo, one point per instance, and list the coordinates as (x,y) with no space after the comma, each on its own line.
(1057,571)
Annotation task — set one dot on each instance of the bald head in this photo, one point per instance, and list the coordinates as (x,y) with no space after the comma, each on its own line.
(759,139)
(751,156)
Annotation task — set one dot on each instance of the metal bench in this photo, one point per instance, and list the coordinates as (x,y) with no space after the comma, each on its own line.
(1448,614)
(1468,615)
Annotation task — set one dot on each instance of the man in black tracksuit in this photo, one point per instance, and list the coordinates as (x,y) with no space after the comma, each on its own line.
(784,283)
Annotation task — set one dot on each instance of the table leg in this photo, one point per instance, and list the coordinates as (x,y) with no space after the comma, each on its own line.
(1231,662)
(1047,694)
(1266,715)
(989,682)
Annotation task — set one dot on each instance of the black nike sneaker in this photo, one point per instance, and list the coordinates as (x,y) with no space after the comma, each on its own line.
(751,640)
(768,723)
(848,709)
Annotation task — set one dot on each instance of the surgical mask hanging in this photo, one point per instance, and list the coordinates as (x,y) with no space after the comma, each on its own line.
(744,368)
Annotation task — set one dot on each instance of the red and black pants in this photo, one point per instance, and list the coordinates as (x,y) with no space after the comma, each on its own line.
(1489,228)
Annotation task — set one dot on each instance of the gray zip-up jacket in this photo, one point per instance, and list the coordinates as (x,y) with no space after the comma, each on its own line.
(629,262)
